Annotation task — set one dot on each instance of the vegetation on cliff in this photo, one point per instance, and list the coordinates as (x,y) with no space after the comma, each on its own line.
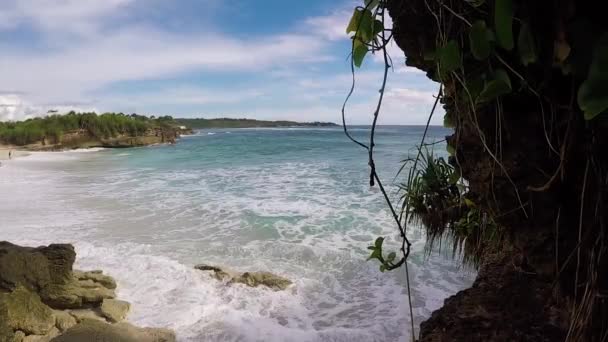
(524,86)
(199,123)
(52,129)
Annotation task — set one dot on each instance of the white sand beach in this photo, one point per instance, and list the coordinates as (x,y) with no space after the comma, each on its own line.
(4,153)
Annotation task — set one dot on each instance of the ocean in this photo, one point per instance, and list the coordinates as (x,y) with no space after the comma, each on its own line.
(292,201)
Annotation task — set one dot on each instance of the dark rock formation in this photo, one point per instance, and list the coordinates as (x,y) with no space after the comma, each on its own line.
(550,280)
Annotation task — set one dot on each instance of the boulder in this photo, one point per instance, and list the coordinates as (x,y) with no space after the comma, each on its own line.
(218,273)
(96,331)
(76,294)
(267,279)
(19,336)
(87,314)
(35,268)
(23,310)
(96,277)
(6,333)
(115,310)
(252,279)
(63,320)
(42,338)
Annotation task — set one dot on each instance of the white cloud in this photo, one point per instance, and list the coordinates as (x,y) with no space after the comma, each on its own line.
(332,26)
(87,55)
(14,108)
(411,95)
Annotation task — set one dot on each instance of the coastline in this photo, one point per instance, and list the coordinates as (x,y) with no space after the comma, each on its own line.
(16,152)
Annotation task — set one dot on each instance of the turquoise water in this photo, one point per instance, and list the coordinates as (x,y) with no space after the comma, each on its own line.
(291,201)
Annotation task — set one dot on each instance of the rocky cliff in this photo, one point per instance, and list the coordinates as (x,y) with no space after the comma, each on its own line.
(83,139)
(532,162)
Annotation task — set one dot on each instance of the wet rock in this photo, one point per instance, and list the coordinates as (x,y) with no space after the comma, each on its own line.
(253,279)
(96,331)
(115,310)
(267,279)
(23,310)
(218,273)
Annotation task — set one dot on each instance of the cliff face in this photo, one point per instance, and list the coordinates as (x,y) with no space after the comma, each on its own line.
(83,139)
(545,186)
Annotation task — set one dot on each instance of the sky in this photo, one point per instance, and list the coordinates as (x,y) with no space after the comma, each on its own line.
(263,59)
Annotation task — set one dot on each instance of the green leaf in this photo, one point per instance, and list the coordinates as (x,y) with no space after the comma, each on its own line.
(503,23)
(377,28)
(365,27)
(375,255)
(359,52)
(469,203)
(449,57)
(391,256)
(371,4)
(455,176)
(478,40)
(361,23)
(353,24)
(378,242)
(525,45)
(500,85)
(593,93)
(382,268)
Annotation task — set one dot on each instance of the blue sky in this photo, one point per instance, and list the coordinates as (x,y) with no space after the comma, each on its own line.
(266,59)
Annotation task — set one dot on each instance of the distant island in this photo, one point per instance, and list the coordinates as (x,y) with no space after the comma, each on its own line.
(200,123)
(86,130)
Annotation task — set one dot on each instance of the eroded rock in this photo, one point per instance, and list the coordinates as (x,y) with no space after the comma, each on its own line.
(217,272)
(253,279)
(23,310)
(115,310)
(96,331)
(87,314)
(63,320)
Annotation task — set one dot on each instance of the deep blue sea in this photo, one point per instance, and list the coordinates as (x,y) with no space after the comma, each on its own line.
(293,201)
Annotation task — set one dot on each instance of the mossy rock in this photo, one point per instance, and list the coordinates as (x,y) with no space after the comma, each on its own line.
(23,310)
(115,310)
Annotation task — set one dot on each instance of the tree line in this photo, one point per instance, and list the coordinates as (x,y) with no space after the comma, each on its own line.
(103,126)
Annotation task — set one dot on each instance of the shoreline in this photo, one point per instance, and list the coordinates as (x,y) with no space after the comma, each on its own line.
(16,153)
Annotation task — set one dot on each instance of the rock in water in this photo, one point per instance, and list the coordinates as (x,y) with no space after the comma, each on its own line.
(253,279)
(96,331)
(268,279)
(23,310)
(115,310)
(218,273)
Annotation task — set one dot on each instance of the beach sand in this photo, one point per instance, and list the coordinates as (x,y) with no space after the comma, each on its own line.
(16,153)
